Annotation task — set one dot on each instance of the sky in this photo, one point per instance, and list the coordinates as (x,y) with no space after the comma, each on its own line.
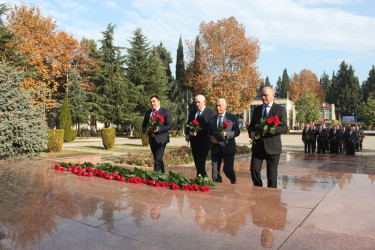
(293,34)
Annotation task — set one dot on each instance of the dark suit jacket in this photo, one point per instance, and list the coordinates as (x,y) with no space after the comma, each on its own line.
(272,143)
(228,146)
(203,120)
(162,135)
(350,139)
(306,134)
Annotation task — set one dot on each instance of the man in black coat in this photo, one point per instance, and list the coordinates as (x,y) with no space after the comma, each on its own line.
(350,140)
(200,141)
(322,138)
(313,138)
(306,133)
(159,137)
(223,151)
(334,140)
(269,147)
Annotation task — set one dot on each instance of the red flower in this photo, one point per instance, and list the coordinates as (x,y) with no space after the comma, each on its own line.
(156,112)
(184,187)
(84,174)
(70,169)
(109,177)
(57,167)
(175,187)
(130,180)
(195,122)
(143,180)
(226,124)
(270,120)
(194,187)
(165,184)
(89,174)
(206,188)
(161,119)
(153,118)
(151,182)
(122,178)
(90,169)
(199,188)
(62,169)
(137,180)
(117,178)
(158,184)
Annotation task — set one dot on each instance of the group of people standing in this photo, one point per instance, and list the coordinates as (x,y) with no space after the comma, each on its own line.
(333,140)
(222,151)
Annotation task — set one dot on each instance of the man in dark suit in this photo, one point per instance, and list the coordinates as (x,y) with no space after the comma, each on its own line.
(223,151)
(269,147)
(313,138)
(200,141)
(160,137)
(334,140)
(350,140)
(322,138)
(306,133)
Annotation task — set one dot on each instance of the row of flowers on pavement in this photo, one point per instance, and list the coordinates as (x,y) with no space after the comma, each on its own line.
(173,157)
(108,171)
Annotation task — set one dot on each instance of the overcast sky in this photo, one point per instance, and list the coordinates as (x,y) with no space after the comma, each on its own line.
(293,34)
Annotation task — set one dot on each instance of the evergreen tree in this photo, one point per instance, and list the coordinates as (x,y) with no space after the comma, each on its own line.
(307,108)
(66,120)
(282,85)
(345,90)
(78,105)
(265,83)
(368,86)
(23,129)
(113,89)
(180,62)
(145,71)
(325,83)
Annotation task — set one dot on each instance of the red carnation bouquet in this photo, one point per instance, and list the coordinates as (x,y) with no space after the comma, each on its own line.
(266,127)
(219,134)
(155,121)
(194,127)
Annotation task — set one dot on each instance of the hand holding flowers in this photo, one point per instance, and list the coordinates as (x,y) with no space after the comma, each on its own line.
(194,127)
(220,134)
(155,122)
(266,127)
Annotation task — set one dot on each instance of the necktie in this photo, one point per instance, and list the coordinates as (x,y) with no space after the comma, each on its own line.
(265,113)
(198,114)
(220,120)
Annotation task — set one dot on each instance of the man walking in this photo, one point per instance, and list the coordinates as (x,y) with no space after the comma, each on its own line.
(159,136)
(223,147)
(269,147)
(200,140)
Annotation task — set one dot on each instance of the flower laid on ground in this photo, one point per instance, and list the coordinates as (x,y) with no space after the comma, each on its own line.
(172,157)
(108,171)
(155,122)
(194,127)
(219,134)
(266,127)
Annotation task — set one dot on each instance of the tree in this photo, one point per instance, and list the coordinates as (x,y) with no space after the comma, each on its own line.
(114,91)
(23,129)
(325,84)
(307,108)
(145,71)
(368,86)
(265,83)
(66,120)
(78,105)
(282,86)
(228,64)
(345,90)
(48,52)
(306,80)
(367,110)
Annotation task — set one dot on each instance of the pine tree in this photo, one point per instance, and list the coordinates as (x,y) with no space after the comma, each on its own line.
(78,105)
(368,86)
(23,129)
(113,89)
(145,71)
(66,120)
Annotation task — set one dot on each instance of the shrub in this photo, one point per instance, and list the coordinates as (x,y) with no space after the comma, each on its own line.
(145,140)
(55,140)
(23,128)
(179,133)
(66,120)
(297,128)
(108,137)
(174,133)
(74,134)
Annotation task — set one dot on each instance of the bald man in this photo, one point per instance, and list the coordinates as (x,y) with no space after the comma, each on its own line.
(269,147)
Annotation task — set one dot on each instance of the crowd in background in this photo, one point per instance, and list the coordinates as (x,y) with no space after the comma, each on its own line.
(333,139)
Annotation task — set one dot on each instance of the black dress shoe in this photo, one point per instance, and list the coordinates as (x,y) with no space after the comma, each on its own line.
(234,182)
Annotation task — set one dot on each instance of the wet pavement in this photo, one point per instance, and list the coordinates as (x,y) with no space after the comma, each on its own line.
(322,202)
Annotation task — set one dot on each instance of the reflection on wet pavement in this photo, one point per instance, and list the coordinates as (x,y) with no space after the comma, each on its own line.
(318,195)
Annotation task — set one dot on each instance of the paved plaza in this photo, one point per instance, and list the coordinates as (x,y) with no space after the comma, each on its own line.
(322,202)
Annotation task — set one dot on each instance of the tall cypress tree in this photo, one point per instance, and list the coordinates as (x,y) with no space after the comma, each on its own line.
(282,85)
(23,129)
(66,120)
(180,62)
(325,83)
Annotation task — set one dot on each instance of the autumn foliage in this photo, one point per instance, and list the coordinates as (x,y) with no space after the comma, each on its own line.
(48,51)
(224,64)
(305,81)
